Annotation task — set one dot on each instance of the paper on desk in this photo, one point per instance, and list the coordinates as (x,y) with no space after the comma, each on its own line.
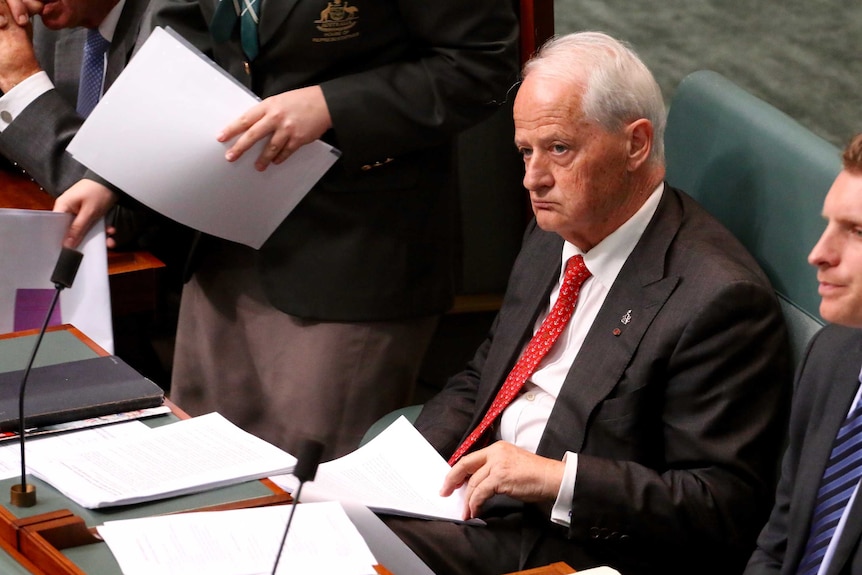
(10,452)
(184,457)
(31,241)
(240,542)
(397,472)
(153,134)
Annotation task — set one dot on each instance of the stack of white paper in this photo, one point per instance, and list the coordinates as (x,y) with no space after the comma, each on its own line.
(153,135)
(184,457)
(245,541)
(397,472)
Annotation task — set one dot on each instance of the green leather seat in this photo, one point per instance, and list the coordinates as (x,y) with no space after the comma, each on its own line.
(763,175)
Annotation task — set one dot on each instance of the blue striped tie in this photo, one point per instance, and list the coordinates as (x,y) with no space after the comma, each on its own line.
(843,471)
(92,72)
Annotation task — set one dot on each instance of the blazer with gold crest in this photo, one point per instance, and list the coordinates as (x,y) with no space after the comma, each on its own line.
(375,239)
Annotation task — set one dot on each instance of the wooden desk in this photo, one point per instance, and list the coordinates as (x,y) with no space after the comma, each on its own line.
(132,275)
(57,536)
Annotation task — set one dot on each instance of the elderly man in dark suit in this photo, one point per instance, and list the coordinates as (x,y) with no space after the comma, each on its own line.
(816,524)
(642,432)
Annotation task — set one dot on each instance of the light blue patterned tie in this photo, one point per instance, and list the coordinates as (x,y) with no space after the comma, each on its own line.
(92,72)
(842,475)
(224,20)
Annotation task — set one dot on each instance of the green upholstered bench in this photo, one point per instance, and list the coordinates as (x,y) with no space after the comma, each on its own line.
(763,175)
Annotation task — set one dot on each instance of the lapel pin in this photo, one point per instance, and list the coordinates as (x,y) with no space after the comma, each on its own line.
(627,317)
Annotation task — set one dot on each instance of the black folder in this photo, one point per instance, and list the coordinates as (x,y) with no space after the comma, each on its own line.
(75,390)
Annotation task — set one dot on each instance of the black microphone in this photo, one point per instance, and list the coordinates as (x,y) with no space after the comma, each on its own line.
(307,461)
(23,495)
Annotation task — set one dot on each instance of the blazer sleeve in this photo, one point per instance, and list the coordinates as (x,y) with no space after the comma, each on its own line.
(465,61)
(706,421)
(37,139)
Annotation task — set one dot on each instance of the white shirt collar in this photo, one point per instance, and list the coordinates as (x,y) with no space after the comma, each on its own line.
(109,24)
(606,259)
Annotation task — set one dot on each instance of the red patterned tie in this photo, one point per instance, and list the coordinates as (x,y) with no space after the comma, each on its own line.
(543,340)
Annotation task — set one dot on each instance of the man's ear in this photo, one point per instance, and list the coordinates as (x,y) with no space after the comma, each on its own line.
(639,137)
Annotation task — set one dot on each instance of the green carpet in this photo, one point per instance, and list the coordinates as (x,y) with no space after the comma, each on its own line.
(800,56)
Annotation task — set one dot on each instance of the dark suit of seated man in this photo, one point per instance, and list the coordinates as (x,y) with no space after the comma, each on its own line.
(822,462)
(647,437)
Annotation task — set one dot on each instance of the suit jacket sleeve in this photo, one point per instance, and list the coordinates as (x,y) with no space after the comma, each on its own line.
(712,406)
(464,62)
(36,140)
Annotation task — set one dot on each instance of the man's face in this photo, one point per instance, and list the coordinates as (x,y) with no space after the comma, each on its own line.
(576,172)
(838,254)
(59,14)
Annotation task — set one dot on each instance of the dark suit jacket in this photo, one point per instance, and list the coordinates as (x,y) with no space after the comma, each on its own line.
(375,239)
(677,418)
(827,381)
(37,139)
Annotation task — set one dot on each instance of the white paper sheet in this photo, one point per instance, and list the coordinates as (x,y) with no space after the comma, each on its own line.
(188,456)
(32,241)
(240,542)
(153,135)
(396,472)
(10,452)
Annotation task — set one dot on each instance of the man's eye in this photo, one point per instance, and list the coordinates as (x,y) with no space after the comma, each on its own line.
(560,149)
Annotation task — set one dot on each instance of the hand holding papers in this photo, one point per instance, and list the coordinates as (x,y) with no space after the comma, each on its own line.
(153,135)
(185,457)
(397,472)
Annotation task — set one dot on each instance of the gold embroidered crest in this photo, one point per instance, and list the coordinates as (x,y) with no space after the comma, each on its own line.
(336,21)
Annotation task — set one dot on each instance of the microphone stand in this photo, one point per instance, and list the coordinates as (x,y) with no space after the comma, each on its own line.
(24,495)
(305,470)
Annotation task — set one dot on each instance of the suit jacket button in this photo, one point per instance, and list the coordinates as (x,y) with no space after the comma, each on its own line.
(594,532)
(247,67)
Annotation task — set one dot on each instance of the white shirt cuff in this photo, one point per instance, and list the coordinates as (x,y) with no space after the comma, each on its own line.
(561,513)
(18,98)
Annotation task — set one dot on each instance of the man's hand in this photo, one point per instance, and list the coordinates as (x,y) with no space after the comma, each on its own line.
(505,469)
(17,59)
(21,10)
(290,120)
(89,201)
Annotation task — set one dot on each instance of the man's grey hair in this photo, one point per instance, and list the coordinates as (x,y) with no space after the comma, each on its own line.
(619,87)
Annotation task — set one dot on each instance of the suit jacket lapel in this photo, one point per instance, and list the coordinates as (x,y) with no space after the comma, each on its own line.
(68,53)
(637,295)
(826,419)
(525,300)
(123,42)
(272,14)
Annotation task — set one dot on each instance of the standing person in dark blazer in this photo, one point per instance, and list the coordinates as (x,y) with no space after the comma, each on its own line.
(826,391)
(646,438)
(323,330)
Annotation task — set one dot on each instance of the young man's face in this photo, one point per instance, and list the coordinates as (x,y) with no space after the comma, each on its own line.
(838,254)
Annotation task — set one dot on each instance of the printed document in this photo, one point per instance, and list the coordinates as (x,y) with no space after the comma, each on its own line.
(397,472)
(322,539)
(153,135)
(188,456)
